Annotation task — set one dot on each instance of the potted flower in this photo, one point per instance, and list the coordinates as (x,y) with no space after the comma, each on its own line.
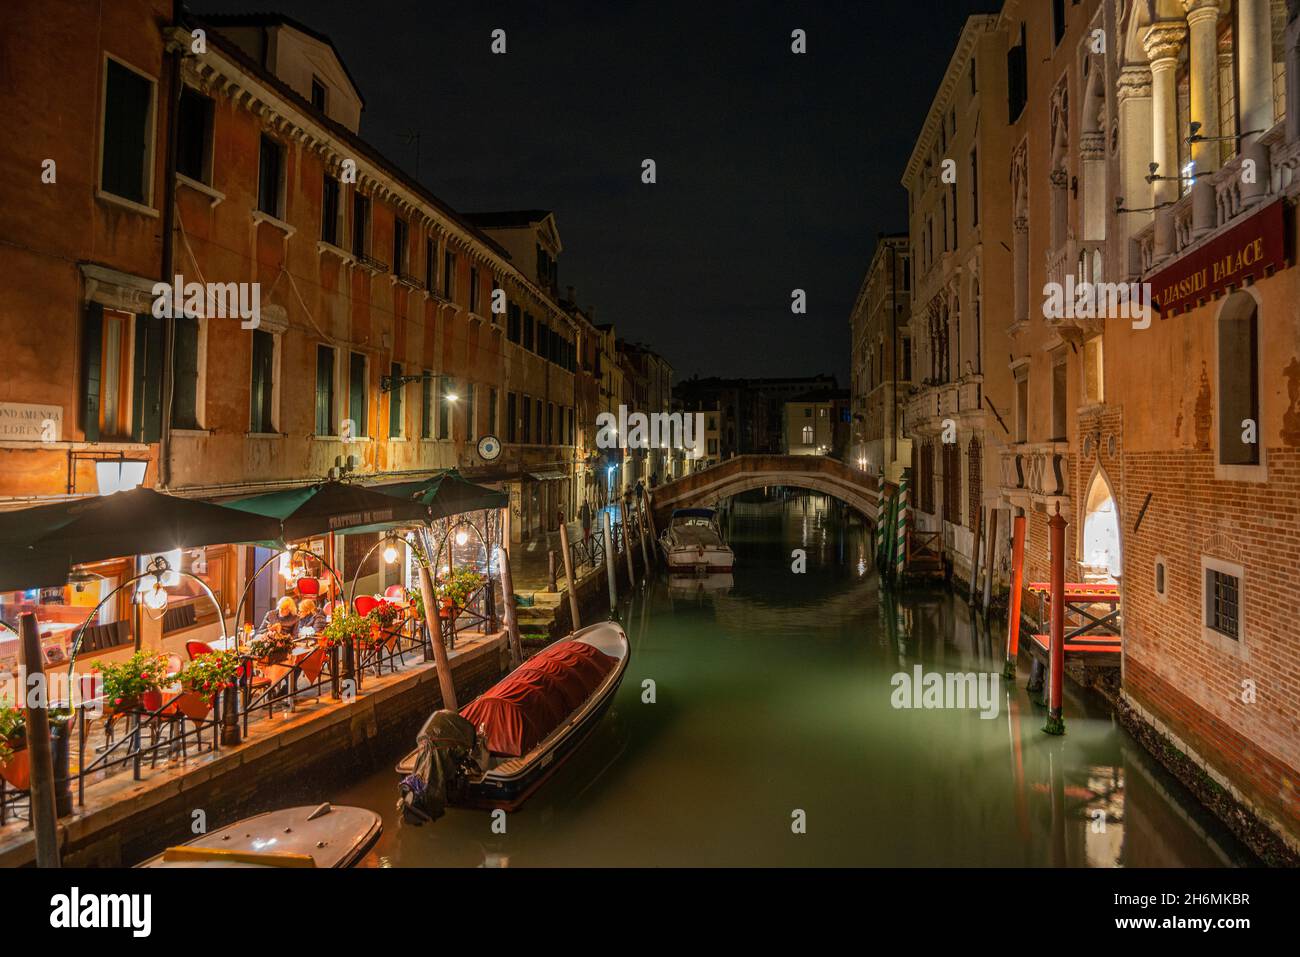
(455,590)
(273,645)
(13,743)
(136,682)
(346,626)
(208,674)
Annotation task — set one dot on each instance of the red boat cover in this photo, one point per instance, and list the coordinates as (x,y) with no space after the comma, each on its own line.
(537,697)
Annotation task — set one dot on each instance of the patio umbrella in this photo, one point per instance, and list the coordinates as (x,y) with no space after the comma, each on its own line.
(446,494)
(331,507)
(39,545)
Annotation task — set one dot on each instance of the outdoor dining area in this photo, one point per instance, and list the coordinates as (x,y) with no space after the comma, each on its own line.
(328,591)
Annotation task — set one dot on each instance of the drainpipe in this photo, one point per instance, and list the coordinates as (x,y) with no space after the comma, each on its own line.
(893,372)
(168,264)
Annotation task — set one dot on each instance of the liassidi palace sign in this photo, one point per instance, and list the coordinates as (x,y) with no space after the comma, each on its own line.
(1250,250)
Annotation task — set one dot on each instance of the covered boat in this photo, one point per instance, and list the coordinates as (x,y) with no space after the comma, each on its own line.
(519,730)
(306,836)
(692,543)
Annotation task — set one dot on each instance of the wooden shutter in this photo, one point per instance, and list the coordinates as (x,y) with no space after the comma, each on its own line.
(185,400)
(92,357)
(147,369)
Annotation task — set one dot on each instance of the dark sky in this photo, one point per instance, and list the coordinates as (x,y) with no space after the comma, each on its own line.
(775,171)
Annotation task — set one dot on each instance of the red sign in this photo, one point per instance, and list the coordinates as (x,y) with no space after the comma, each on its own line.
(1250,250)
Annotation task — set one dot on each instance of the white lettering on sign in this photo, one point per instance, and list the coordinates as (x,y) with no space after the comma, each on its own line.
(30,423)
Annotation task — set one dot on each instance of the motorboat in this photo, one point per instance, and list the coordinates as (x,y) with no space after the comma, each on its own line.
(307,836)
(504,744)
(692,543)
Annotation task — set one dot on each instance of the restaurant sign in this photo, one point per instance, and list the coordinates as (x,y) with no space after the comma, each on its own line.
(20,422)
(1249,250)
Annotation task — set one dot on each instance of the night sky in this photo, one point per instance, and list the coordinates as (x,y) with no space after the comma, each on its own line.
(776,171)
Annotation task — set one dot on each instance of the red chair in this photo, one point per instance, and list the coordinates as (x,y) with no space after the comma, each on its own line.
(196,648)
(395,591)
(308,587)
(366,604)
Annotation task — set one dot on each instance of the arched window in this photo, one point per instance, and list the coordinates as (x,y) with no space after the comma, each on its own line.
(1101,549)
(1238,334)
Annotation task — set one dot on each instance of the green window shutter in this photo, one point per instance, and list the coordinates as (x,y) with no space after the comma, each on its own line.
(92,357)
(185,389)
(146,405)
(395,402)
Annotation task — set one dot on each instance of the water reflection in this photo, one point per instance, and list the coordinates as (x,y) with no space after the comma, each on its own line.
(771,693)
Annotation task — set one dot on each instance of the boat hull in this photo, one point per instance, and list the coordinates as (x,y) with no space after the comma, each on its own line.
(688,560)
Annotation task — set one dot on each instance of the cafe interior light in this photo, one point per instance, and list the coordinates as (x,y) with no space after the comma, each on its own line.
(461,537)
(390,554)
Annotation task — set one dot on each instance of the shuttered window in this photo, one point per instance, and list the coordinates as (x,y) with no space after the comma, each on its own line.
(324,390)
(262,392)
(426,406)
(329,216)
(270,163)
(194,136)
(512,412)
(395,402)
(128,104)
(185,398)
(357,398)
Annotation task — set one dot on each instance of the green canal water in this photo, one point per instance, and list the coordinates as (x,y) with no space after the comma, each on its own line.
(774,705)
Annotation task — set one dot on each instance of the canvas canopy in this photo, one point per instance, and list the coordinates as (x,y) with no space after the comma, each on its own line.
(521,709)
(330,507)
(39,545)
(446,494)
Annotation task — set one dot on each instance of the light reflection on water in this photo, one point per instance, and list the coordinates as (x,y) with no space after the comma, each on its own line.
(773,695)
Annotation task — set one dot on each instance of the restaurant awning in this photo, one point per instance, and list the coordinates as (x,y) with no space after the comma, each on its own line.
(39,545)
(446,494)
(330,507)
(548,475)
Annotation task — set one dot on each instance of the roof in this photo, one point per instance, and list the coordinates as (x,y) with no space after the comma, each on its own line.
(270,19)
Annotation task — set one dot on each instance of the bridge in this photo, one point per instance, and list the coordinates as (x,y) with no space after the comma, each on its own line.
(744,472)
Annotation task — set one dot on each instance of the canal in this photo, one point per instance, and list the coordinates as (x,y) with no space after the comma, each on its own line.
(773,739)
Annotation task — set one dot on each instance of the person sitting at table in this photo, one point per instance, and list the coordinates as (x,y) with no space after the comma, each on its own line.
(284,614)
(309,616)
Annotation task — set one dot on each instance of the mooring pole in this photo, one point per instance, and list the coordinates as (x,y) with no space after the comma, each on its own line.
(610,567)
(508,586)
(445,684)
(648,512)
(627,551)
(1013,611)
(570,583)
(45,820)
(1055,718)
(641,534)
(975,556)
(991,547)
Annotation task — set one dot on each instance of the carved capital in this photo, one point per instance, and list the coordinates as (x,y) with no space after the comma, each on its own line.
(1134,83)
(1198,10)
(1164,39)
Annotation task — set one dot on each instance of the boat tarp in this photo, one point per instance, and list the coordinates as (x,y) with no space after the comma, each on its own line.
(526,705)
(693,513)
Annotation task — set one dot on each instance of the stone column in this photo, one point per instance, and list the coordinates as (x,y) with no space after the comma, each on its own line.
(1133,97)
(1202,22)
(1020,255)
(1092,163)
(1060,181)
(1255,63)
(1163,40)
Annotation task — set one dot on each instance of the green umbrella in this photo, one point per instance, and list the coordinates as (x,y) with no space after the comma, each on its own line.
(39,545)
(446,494)
(330,507)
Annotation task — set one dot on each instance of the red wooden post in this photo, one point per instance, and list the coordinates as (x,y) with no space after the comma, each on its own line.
(1055,721)
(1013,610)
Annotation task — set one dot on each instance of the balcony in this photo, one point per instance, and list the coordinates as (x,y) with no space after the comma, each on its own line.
(959,400)
(1037,474)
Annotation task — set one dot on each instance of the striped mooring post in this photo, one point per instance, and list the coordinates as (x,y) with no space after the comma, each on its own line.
(900,556)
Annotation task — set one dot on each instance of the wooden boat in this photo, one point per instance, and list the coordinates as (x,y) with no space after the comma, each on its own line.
(306,836)
(533,719)
(692,543)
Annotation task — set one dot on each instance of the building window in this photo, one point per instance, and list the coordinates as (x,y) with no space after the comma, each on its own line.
(473,289)
(121,376)
(426,405)
(194,136)
(395,401)
(444,411)
(329,213)
(324,390)
(125,169)
(1160,583)
(428,263)
(360,223)
(448,274)
(537,420)
(1239,381)
(262,396)
(1022,407)
(952,483)
(1058,21)
(185,391)
(512,401)
(974,188)
(471,425)
(514,323)
(572,434)
(491,427)
(1058,401)
(358,397)
(550,423)
(807,435)
(527,419)
(319,94)
(528,331)
(400,230)
(926,484)
(1223,599)
(270,177)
